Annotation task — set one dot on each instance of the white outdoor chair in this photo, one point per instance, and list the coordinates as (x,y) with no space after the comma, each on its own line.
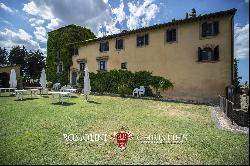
(63,88)
(69,87)
(139,91)
(56,86)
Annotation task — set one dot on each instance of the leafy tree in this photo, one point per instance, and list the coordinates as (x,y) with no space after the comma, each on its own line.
(193,14)
(236,81)
(34,64)
(159,84)
(3,56)
(17,56)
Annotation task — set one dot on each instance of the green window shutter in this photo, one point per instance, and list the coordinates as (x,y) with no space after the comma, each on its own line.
(199,54)
(216,53)
(146,39)
(204,29)
(174,35)
(216,27)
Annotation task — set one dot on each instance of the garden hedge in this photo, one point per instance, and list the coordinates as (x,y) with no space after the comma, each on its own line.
(124,82)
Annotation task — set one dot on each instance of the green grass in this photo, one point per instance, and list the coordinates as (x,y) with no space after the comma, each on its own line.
(31,132)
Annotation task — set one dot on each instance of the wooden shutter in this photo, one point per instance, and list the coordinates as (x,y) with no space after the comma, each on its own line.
(146,39)
(100,47)
(216,27)
(116,44)
(216,53)
(107,45)
(173,34)
(168,35)
(199,54)
(204,29)
(121,42)
(137,41)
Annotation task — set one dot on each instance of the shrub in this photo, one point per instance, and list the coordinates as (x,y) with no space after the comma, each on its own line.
(159,83)
(124,82)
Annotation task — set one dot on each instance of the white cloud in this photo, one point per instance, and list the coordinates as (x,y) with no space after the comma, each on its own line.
(9,38)
(37,9)
(110,27)
(6,22)
(87,13)
(119,13)
(36,22)
(6,8)
(241,41)
(40,34)
(141,14)
(105,1)
(54,23)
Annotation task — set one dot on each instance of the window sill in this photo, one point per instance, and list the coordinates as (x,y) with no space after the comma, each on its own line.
(208,37)
(171,42)
(119,49)
(100,71)
(208,61)
(103,51)
(142,46)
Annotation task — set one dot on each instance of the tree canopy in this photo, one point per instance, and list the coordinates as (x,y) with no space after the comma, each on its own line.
(31,62)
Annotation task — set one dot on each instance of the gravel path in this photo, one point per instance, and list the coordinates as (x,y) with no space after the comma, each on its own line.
(222,122)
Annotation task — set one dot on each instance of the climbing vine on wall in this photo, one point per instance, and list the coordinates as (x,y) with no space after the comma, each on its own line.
(63,40)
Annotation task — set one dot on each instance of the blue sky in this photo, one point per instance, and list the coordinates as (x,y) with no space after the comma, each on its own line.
(27,22)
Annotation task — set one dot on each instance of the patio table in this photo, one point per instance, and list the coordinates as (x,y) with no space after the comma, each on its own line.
(20,93)
(39,88)
(6,89)
(70,90)
(61,96)
(33,92)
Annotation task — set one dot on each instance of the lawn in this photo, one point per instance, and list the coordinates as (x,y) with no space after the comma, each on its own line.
(31,132)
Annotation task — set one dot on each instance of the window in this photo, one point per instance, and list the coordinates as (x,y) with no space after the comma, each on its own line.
(119,44)
(208,54)
(104,46)
(60,67)
(142,40)
(103,65)
(58,54)
(210,29)
(82,66)
(124,65)
(73,51)
(171,35)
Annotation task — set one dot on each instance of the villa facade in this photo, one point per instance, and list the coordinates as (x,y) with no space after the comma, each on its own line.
(196,54)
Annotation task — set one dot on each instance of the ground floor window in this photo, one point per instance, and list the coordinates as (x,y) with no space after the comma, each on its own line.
(102,65)
(60,67)
(124,65)
(82,66)
(74,78)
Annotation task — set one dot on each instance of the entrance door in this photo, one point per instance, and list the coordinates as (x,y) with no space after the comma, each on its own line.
(73,78)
